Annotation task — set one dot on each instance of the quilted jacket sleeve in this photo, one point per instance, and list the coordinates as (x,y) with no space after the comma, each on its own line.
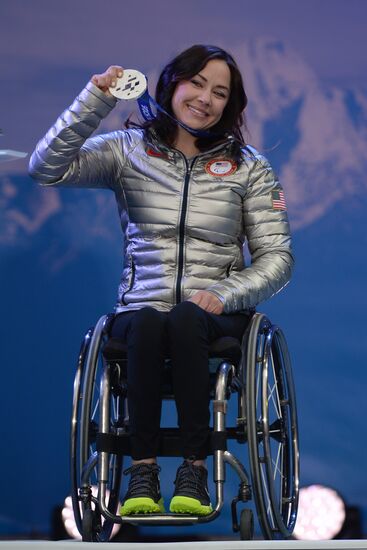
(66,157)
(267,231)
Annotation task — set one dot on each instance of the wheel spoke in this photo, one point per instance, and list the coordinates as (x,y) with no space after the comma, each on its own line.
(276,463)
(272,399)
(94,413)
(275,388)
(265,486)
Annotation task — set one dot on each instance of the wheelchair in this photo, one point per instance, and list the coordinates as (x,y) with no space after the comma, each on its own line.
(257,369)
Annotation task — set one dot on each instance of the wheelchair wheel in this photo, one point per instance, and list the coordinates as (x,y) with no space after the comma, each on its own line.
(84,428)
(272,429)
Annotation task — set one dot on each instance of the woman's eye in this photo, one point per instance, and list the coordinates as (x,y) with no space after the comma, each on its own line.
(196,82)
(220,94)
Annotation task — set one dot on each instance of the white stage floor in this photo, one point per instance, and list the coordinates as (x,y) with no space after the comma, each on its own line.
(200,545)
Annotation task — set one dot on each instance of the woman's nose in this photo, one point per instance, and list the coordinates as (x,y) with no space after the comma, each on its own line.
(205,96)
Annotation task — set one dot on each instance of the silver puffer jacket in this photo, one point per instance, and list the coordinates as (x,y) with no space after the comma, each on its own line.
(184,221)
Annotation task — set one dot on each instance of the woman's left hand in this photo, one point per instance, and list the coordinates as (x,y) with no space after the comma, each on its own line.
(207,301)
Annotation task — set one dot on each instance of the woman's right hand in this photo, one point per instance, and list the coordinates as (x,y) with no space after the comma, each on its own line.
(108,78)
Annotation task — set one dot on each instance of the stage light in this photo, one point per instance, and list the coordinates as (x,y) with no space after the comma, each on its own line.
(67,515)
(321,513)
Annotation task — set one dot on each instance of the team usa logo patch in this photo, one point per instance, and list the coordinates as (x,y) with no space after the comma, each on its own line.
(278,200)
(220,167)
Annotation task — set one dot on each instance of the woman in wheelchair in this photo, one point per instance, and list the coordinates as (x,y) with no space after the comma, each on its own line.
(189,192)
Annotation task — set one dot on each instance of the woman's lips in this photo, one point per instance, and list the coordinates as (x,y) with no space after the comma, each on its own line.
(197,112)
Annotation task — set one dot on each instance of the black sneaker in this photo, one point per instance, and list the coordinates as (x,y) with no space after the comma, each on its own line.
(143,495)
(191,494)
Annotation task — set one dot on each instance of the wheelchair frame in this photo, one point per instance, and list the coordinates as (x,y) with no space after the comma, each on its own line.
(267,421)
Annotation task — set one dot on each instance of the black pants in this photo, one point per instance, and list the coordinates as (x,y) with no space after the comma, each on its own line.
(184,334)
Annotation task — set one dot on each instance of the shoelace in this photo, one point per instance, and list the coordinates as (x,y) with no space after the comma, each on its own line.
(142,476)
(188,477)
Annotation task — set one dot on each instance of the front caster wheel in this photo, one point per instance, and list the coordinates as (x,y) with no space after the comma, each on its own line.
(246,525)
(90,526)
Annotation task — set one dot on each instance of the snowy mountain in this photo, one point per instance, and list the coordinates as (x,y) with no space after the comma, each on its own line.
(319,133)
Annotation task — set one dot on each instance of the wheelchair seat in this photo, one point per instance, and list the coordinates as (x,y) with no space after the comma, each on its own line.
(223,349)
(257,369)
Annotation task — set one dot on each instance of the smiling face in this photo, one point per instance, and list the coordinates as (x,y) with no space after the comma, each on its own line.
(199,102)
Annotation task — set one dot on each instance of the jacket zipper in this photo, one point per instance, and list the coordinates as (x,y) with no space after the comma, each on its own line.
(130,285)
(181,239)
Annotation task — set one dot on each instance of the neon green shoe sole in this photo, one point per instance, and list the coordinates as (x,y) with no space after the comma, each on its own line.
(142,505)
(188,505)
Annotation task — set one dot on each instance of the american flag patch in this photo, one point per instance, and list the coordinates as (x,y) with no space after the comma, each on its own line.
(278,200)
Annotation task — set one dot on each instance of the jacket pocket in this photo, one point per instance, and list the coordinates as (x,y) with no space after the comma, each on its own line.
(132,279)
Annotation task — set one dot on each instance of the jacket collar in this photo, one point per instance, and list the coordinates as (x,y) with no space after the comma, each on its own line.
(155,143)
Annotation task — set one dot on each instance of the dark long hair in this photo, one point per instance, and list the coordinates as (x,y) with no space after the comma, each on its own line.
(183,67)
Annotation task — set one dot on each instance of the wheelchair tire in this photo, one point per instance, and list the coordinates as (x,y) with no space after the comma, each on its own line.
(246,524)
(89,526)
(84,429)
(272,429)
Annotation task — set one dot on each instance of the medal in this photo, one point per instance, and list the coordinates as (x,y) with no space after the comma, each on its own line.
(131,85)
